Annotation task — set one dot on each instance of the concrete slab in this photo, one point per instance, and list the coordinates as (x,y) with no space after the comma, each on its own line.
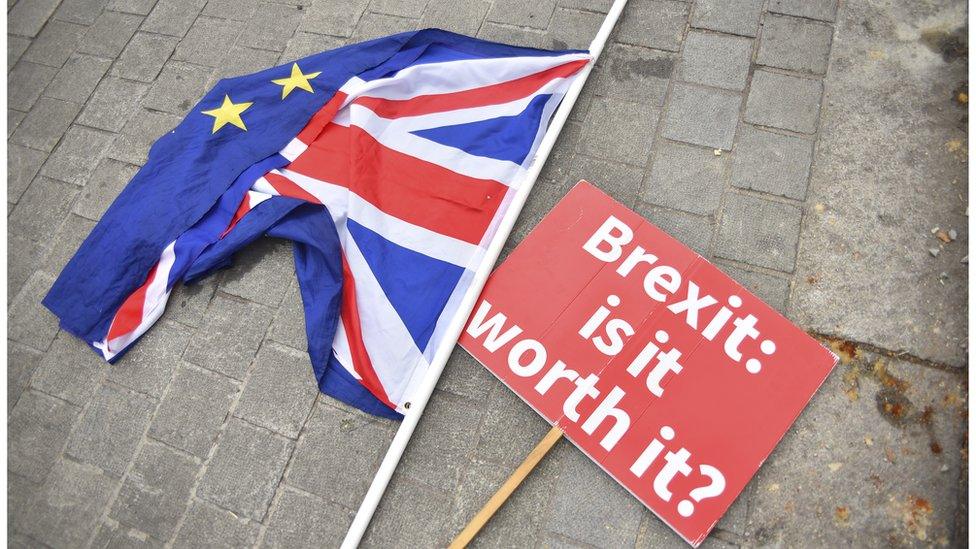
(890,167)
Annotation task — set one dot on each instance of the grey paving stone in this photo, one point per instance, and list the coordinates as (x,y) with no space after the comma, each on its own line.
(271,26)
(518,36)
(303,44)
(524,14)
(104,185)
(211,526)
(634,73)
(542,199)
(206,40)
(463,18)
(14,118)
(19,494)
(109,432)
(375,25)
(25,84)
(333,17)
(598,6)
(404,516)
(69,370)
(339,452)
(794,44)
(173,18)
(465,377)
(758,232)
(188,303)
(109,34)
(619,130)
(144,57)
(234,331)
(77,78)
(148,366)
(772,163)
(237,10)
(41,209)
(22,166)
(404,8)
(783,101)
(303,520)
(76,155)
(260,270)
(30,323)
(825,10)
(240,60)
(702,116)
(16,46)
(24,254)
(141,7)
(880,447)
(716,60)
(191,413)
(280,391)
(559,167)
(620,181)
(44,125)
(442,441)
(156,490)
(112,535)
(142,129)
(177,88)
(731,16)
(244,472)
(288,326)
(65,243)
(669,19)
(582,487)
(66,509)
(27,18)
(572,29)
(773,290)
(112,103)
(55,43)
(694,231)
(686,178)
(519,522)
(83,12)
(36,431)
(21,363)
(505,415)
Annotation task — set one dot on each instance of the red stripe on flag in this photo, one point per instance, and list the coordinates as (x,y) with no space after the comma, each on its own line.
(493,94)
(321,118)
(240,213)
(411,189)
(129,315)
(354,334)
(286,187)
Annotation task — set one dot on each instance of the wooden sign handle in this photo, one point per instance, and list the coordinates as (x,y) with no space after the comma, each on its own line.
(503,493)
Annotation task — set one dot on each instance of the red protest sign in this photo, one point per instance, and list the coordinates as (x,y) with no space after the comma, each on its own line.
(661,368)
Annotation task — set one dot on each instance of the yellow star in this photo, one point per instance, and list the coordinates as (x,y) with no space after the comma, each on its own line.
(296,80)
(228,113)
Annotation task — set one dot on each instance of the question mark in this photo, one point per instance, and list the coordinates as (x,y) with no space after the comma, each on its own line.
(716,487)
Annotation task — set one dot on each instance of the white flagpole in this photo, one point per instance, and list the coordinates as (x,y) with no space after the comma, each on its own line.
(412,417)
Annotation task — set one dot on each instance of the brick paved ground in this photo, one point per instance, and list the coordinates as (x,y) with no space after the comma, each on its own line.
(708,117)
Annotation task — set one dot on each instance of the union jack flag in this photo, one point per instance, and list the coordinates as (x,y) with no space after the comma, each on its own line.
(389,164)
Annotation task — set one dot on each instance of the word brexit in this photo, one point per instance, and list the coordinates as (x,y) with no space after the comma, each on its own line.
(664,282)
